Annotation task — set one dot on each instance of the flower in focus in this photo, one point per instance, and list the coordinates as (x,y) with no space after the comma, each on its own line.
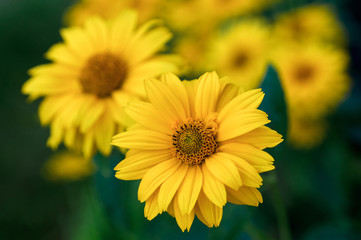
(67,166)
(93,74)
(310,23)
(242,53)
(314,78)
(196,145)
(79,12)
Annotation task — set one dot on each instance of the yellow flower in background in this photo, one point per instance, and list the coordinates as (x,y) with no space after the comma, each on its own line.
(93,74)
(196,145)
(314,78)
(79,12)
(310,23)
(241,53)
(67,166)
(304,133)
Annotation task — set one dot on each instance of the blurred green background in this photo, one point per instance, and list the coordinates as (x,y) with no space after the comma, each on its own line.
(314,194)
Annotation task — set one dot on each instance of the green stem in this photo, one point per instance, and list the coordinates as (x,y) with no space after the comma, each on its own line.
(283,225)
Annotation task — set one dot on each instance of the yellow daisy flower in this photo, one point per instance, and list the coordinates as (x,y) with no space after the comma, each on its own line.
(314,78)
(304,133)
(313,22)
(67,166)
(242,53)
(196,145)
(79,12)
(94,73)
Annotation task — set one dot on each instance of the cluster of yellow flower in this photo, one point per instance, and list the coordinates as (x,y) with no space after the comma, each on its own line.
(195,144)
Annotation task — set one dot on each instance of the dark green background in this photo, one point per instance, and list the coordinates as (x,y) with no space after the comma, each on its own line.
(316,193)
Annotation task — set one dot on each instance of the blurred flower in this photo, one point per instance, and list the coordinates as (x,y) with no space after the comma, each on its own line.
(79,12)
(242,53)
(195,146)
(314,78)
(67,166)
(305,133)
(310,23)
(93,75)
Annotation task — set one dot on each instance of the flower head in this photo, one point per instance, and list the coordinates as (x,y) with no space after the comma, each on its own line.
(313,22)
(314,78)
(68,166)
(196,145)
(242,53)
(94,73)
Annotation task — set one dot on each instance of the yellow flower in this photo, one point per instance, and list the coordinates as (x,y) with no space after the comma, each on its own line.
(79,12)
(68,166)
(196,145)
(310,23)
(314,78)
(94,73)
(305,133)
(242,53)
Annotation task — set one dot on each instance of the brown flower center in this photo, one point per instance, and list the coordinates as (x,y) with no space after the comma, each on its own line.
(102,74)
(240,60)
(194,141)
(304,73)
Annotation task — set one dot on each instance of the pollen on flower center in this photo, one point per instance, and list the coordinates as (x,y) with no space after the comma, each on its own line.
(304,73)
(194,141)
(102,74)
(240,60)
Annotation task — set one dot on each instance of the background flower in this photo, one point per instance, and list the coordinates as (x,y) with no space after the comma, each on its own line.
(97,69)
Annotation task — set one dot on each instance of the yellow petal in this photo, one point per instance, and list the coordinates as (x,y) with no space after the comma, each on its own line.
(244,196)
(91,115)
(97,31)
(241,123)
(88,143)
(213,189)
(184,221)
(257,158)
(151,209)
(189,189)
(145,114)
(262,137)
(138,162)
(177,88)
(210,212)
(164,101)
(229,92)
(248,173)
(60,53)
(224,170)
(142,139)
(247,100)
(191,88)
(104,130)
(170,187)
(77,42)
(121,30)
(155,177)
(207,95)
(51,105)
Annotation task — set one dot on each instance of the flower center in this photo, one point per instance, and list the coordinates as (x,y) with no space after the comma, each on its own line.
(194,141)
(304,73)
(102,74)
(240,60)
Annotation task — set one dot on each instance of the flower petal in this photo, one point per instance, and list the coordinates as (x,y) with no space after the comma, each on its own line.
(138,162)
(164,101)
(155,177)
(210,212)
(184,221)
(213,189)
(224,170)
(151,209)
(244,196)
(241,123)
(142,139)
(169,188)
(189,189)
(207,95)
